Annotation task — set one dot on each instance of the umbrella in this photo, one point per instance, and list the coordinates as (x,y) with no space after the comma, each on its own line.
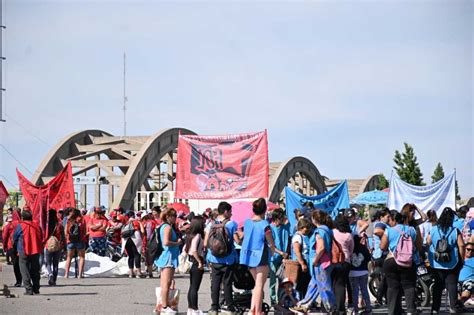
(179,207)
(371,198)
(241,211)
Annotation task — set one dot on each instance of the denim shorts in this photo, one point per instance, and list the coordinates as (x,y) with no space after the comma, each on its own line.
(76,245)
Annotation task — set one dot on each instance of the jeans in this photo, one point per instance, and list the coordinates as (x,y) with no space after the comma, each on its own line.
(360,283)
(274,266)
(398,278)
(30,272)
(52,262)
(339,277)
(133,255)
(195,278)
(221,273)
(16,265)
(382,287)
(445,278)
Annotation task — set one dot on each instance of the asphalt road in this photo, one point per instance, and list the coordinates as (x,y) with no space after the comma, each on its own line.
(102,296)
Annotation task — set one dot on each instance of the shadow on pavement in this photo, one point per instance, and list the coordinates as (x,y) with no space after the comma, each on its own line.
(66,294)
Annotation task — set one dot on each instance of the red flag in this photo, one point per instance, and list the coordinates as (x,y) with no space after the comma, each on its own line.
(57,194)
(222,167)
(3,195)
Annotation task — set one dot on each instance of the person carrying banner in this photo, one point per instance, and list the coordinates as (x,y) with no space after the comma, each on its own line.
(28,242)
(446,254)
(8,238)
(222,267)
(76,231)
(400,272)
(257,248)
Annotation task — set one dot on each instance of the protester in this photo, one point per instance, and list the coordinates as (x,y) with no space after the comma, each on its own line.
(446,262)
(460,218)
(133,244)
(257,247)
(149,224)
(27,240)
(358,276)
(281,237)
(300,253)
(466,276)
(222,267)
(400,276)
(358,227)
(7,229)
(114,229)
(156,212)
(168,260)
(381,223)
(320,246)
(8,238)
(76,231)
(340,274)
(195,249)
(97,226)
(56,231)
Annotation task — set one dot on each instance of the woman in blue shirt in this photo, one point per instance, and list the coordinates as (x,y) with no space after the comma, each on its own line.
(446,266)
(257,248)
(281,236)
(398,276)
(168,260)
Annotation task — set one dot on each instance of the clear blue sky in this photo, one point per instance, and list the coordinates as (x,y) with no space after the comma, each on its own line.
(342,83)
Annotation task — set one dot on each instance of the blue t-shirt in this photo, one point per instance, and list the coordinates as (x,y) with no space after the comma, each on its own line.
(253,246)
(467,271)
(230,259)
(451,236)
(458,223)
(281,237)
(378,252)
(394,235)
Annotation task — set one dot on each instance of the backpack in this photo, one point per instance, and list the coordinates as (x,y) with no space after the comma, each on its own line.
(75,233)
(404,251)
(128,230)
(53,244)
(155,246)
(442,251)
(219,242)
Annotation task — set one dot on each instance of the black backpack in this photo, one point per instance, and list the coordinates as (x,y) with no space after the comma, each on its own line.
(442,252)
(219,242)
(155,246)
(75,233)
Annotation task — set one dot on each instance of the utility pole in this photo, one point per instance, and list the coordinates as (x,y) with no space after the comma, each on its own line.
(2,27)
(124,96)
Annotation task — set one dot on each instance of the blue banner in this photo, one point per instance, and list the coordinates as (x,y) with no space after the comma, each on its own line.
(331,201)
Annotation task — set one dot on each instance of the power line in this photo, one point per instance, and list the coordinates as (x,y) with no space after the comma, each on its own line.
(10,118)
(7,180)
(16,159)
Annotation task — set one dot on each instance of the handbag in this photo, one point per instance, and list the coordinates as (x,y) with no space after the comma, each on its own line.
(53,244)
(173,298)
(292,268)
(184,265)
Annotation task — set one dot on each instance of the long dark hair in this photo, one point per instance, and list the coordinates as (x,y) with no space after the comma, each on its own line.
(76,213)
(342,224)
(52,221)
(446,219)
(195,227)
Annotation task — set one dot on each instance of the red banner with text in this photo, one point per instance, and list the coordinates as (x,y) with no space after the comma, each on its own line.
(56,194)
(222,167)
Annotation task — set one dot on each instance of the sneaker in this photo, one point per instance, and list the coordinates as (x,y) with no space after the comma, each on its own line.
(168,310)
(197,312)
(228,310)
(18,284)
(299,309)
(190,311)
(28,293)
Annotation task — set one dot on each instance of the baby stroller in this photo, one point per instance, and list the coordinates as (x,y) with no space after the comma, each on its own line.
(243,280)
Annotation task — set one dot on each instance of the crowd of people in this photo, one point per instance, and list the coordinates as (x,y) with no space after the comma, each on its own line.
(321,259)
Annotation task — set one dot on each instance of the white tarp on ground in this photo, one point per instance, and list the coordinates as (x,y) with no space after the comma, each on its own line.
(97,266)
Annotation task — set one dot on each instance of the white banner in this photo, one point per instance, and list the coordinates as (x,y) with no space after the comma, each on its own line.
(436,196)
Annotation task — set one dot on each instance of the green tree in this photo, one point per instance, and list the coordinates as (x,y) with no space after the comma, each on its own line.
(438,173)
(407,167)
(458,197)
(383,182)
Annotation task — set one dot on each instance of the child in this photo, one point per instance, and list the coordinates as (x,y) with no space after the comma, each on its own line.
(286,296)
(358,276)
